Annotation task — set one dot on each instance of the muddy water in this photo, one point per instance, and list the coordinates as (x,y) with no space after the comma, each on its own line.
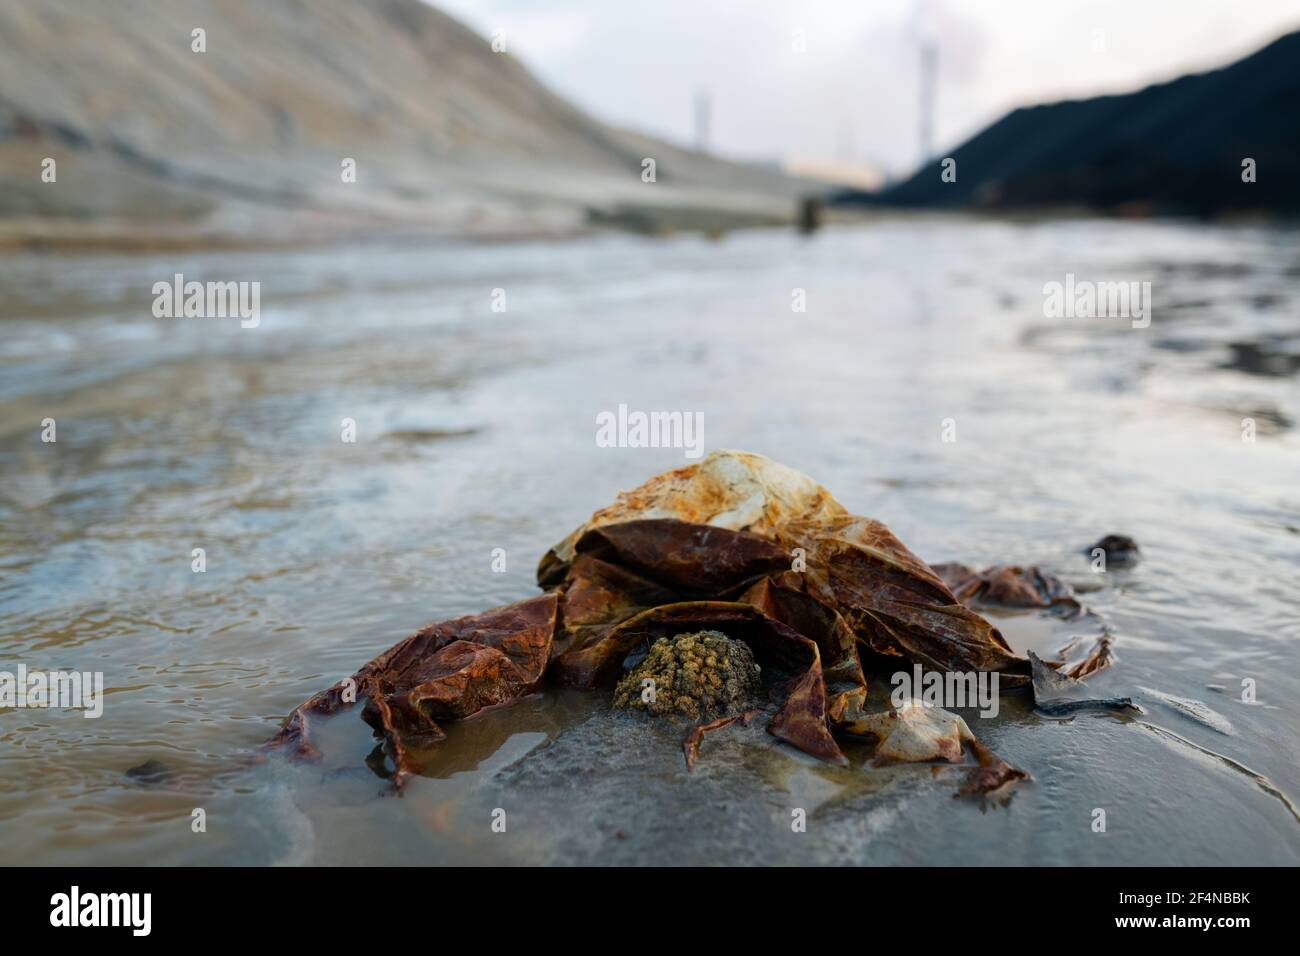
(475,431)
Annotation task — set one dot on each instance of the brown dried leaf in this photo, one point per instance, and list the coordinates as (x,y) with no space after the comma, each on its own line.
(736,490)
(708,546)
(783,598)
(596,596)
(891,600)
(448,670)
(894,602)
(1009,585)
(622,570)
(695,736)
(1097,658)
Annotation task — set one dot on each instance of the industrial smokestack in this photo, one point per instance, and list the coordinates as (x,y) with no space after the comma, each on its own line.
(929,69)
(923,30)
(703,110)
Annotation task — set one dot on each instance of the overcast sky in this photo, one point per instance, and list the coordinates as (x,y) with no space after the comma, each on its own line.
(853,91)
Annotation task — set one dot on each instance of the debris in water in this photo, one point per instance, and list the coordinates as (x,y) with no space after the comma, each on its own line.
(917,732)
(1060,695)
(1004,585)
(1097,657)
(150,773)
(1118,549)
(446,671)
(696,676)
(801,719)
(735,545)
(695,737)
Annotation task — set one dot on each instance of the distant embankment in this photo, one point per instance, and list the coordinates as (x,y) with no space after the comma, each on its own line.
(245,129)
(1172,148)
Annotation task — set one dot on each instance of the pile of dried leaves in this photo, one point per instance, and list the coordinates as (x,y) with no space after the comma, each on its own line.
(737,544)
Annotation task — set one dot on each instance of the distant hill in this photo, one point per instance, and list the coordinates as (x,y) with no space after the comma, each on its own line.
(249,137)
(1174,147)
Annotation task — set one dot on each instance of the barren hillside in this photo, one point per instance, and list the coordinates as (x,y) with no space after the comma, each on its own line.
(250,136)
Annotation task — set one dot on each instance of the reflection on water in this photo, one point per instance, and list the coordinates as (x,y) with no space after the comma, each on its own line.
(476,431)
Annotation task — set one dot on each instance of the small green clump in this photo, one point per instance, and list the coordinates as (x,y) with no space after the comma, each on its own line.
(697,676)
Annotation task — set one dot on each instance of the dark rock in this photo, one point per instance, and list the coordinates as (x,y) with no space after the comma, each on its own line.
(1120,549)
(151,772)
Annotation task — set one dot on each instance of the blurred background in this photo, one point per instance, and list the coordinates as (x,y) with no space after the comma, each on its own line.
(459,249)
(220,121)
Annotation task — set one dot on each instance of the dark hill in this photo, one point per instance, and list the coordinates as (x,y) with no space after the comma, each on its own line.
(1173,148)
